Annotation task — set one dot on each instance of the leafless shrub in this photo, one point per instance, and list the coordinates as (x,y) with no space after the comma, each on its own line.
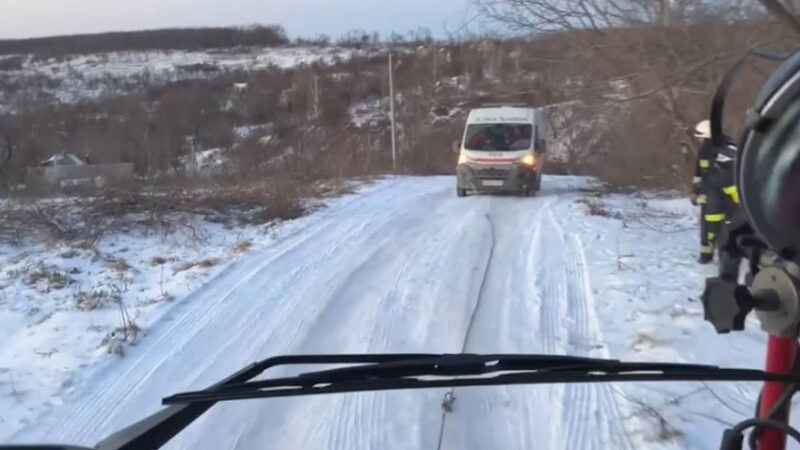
(11,63)
(46,278)
(158,261)
(596,207)
(204,263)
(649,67)
(666,431)
(96,299)
(118,265)
(68,254)
(243,246)
(126,334)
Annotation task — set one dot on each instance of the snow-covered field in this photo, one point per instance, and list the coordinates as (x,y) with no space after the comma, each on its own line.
(62,306)
(397,267)
(80,77)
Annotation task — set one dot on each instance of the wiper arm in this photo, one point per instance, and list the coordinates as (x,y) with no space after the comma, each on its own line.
(157,429)
(408,371)
(455,364)
(453,370)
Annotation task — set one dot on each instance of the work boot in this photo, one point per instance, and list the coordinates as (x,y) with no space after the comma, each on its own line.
(705,258)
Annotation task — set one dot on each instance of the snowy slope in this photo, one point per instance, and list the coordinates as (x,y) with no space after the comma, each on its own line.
(61,305)
(401,267)
(76,78)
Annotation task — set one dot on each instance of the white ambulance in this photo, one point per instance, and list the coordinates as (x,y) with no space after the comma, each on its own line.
(503,150)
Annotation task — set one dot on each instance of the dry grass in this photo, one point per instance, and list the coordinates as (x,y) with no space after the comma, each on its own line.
(162,210)
(209,262)
(46,278)
(126,334)
(158,261)
(595,206)
(645,341)
(242,246)
(97,299)
(118,265)
(666,431)
(68,254)
(205,264)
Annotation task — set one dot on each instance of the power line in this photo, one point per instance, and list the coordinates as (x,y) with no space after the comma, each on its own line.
(465,24)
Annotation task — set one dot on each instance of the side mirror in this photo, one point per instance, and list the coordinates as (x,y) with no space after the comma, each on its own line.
(456,147)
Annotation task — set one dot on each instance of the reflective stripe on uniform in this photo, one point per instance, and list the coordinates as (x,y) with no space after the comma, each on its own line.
(707,249)
(715,217)
(697,180)
(704,164)
(702,199)
(711,235)
(732,192)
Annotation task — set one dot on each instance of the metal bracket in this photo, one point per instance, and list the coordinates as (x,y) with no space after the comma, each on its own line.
(783,291)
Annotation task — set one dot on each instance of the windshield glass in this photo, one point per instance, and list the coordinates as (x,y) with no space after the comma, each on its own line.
(498,137)
(184,194)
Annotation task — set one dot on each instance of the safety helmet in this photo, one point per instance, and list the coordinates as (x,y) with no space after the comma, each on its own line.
(703,129)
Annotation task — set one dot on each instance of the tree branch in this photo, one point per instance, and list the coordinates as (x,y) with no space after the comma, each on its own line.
(778,10)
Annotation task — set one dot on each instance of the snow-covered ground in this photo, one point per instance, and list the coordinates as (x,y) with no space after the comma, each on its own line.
(398,267)
(80,77)
(62,306)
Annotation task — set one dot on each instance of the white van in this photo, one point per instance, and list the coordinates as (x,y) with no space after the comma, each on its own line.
(503,150)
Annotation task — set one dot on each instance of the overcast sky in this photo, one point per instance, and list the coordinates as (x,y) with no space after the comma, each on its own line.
(28,18)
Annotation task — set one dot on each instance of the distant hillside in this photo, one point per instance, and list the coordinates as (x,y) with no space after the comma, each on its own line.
(166,39)
(626,100)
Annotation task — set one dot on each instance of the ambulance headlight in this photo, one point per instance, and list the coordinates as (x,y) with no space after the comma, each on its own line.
(528,160)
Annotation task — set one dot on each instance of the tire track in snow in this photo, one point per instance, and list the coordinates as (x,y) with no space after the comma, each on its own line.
(468,331)
(389,315)
(394,271)
(348,425)
(505,322)
(365,305)
(590,412)
(93,413)
(551,280)
(340,311)
(350,411)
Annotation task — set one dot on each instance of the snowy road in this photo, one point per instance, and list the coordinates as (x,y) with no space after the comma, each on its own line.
(405,266)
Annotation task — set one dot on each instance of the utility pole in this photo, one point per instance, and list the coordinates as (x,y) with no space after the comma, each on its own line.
(391,103)
(435,64)
(666,13)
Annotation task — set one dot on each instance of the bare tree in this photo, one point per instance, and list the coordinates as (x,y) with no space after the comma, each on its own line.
(536,16)
(785,11)
(664,57)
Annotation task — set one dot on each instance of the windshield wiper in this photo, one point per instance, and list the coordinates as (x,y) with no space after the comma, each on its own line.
(453,370)
(408,371)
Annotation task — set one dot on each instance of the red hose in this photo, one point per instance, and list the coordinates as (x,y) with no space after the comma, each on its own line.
(781,354)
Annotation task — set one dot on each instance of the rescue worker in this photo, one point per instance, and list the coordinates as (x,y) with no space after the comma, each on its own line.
(715,190)
(710,215)
(722,180)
